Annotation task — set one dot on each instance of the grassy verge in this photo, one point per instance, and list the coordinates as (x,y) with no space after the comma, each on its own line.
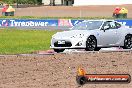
(34,17)
(13,41)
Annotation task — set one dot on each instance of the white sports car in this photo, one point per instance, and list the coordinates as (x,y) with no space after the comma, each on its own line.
(92,35)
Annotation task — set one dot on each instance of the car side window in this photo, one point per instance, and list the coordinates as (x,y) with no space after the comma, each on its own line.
(117,25)
(106,24)
(112,25)
(109,24)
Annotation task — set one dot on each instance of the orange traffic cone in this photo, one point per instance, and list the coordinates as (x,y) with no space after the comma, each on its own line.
(81,72)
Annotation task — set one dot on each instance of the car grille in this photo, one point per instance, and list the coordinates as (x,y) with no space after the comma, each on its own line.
(67,44)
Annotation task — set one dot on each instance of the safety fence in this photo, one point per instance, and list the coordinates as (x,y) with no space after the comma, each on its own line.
(47,23)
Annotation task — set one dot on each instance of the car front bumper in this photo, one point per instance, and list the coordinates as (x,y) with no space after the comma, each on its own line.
(72,43)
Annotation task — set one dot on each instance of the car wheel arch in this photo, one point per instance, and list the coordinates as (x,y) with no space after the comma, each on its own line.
(128,34)
(92,36)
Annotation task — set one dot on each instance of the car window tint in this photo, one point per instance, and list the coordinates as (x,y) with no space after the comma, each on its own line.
(88,25)
(91,24)
(112,25)
(106,24)
(117,25)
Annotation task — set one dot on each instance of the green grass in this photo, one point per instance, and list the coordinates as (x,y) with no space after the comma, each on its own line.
(35,17)
(14,41)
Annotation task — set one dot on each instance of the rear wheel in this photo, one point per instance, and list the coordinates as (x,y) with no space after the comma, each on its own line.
(128,42)
(59,50)
(91,44)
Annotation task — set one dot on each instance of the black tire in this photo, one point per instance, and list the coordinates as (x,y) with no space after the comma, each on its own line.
(59,50)
(91,44)
(128,42)
(81,80)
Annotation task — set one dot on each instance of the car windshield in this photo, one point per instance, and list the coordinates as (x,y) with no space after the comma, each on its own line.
(89,25)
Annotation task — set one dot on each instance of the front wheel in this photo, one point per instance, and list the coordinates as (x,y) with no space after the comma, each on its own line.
(59,50)
(91,44)
(128,42)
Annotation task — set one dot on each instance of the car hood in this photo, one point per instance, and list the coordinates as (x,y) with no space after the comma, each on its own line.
(71,33)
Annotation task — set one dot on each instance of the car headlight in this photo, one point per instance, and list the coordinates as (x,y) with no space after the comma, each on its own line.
(78,36)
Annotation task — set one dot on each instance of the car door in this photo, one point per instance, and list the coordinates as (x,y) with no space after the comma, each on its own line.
(107,37)
(118,33)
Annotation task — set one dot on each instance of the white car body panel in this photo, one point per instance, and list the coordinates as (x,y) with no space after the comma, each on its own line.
(107,38)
